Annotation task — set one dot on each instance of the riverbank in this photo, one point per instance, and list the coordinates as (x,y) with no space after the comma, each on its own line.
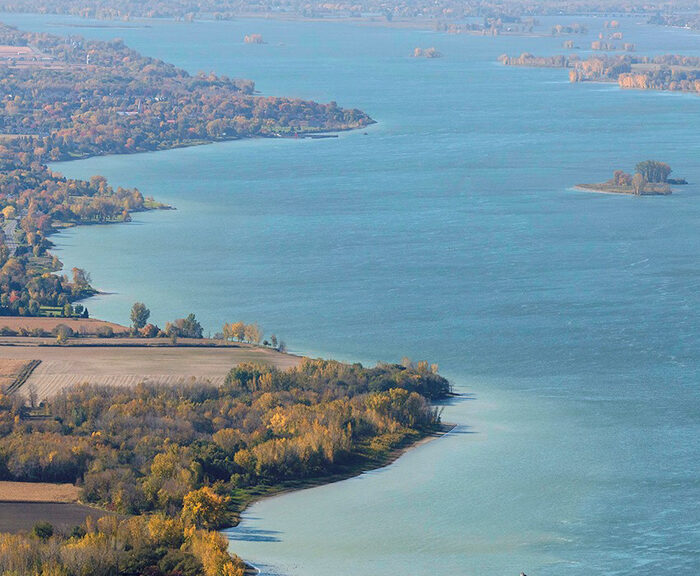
(371,463)
(393,455)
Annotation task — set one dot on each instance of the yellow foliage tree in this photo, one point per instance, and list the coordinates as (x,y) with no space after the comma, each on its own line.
(211,550)
(204,508)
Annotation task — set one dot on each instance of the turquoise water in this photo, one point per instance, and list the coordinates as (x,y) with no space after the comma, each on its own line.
(448,231)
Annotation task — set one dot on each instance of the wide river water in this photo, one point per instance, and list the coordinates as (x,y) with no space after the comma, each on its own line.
(448,231)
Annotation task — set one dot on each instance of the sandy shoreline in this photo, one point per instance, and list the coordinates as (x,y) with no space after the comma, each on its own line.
(582,188)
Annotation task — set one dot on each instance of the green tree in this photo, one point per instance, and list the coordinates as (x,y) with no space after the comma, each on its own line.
(42,530)
(185,327)
(33,308)
(139,315)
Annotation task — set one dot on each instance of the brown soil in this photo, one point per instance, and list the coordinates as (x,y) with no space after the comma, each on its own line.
(63,516)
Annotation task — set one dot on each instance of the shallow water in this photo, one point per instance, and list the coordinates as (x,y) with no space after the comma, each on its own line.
(449,231)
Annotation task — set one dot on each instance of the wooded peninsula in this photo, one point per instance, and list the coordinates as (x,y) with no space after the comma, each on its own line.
(66,98)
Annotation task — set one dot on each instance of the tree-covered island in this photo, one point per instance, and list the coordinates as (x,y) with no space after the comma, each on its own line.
(651,178)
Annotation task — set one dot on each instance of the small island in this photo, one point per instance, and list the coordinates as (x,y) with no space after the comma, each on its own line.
(651,178)
(431,52)
(254,39)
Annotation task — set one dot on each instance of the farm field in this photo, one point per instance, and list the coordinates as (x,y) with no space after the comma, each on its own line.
(64,366)
(63,516)
(10,369)
(37,492)
(23,504)
(83,326)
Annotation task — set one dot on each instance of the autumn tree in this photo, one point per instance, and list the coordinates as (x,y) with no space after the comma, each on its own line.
(638,182)
(654,171)
(253,333)
(204,508)
(81,278)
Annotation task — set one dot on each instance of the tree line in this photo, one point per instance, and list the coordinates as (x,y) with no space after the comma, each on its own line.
(670,12)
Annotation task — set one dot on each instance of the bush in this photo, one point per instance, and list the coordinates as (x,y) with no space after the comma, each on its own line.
(42,530)
(105,332)
(179,562)
(149,331)
(62,331)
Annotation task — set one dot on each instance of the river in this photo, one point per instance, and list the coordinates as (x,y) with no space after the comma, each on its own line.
(447,231)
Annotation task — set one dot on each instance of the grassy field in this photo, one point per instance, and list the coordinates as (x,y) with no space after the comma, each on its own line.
(651,67)
(64,366)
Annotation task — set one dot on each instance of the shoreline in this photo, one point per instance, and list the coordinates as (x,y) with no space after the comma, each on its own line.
(592,188)
(161,206)
(301,135)
(582,188)
(391,457)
